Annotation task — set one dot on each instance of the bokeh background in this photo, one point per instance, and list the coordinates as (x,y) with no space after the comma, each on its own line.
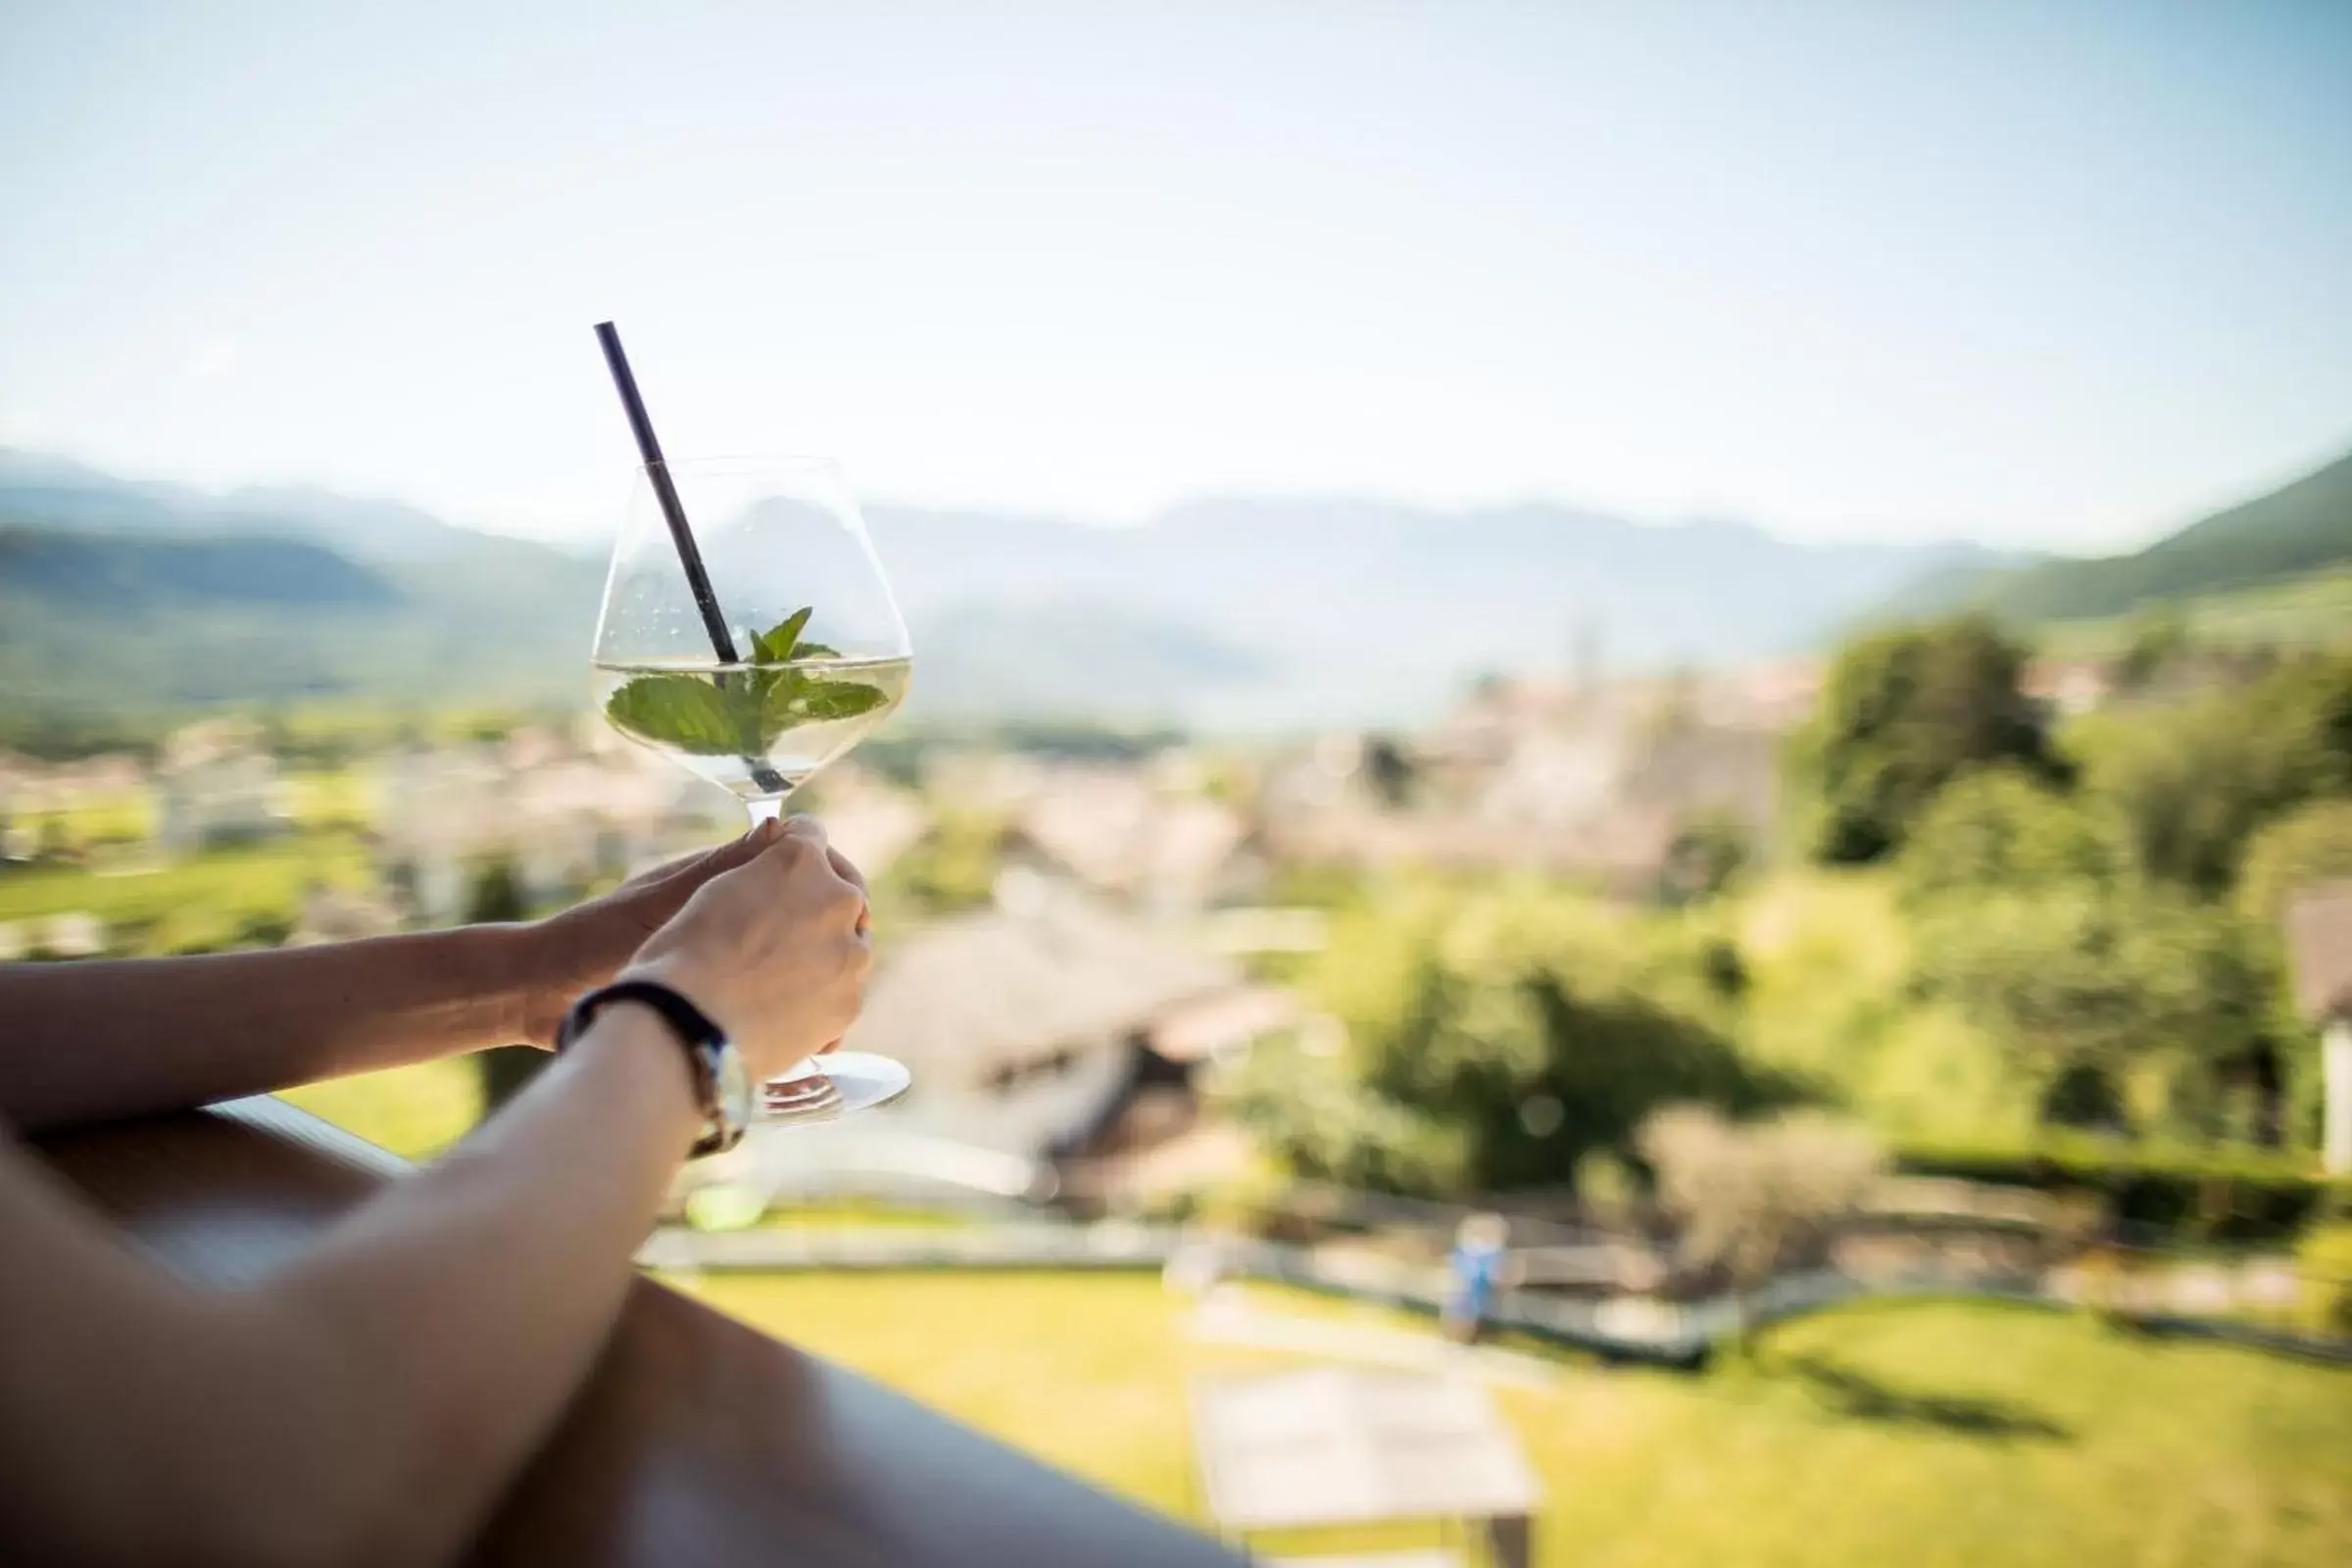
(1724,630)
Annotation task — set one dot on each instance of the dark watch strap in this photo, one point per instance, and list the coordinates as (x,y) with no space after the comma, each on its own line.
(689,1023)
(703,1043)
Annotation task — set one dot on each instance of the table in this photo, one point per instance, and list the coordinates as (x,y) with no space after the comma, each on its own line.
(1329,1445)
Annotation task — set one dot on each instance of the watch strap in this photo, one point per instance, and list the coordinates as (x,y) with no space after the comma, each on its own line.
(696,1032)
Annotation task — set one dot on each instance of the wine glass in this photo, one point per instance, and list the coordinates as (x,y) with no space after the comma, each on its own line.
(787,654)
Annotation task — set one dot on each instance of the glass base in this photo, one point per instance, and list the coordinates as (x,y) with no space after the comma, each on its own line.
(860,1080)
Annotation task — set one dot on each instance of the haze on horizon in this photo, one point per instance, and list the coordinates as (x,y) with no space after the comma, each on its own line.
(2060,277)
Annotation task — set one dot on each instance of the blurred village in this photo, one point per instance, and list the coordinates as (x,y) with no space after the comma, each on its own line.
(1084,943)
(1604,1014)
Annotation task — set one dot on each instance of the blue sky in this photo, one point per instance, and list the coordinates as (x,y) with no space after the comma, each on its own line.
(2055,273)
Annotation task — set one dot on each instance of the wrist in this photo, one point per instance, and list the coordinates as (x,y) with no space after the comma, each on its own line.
(629,1039)
(721,1089)
(539,982)
(687,981)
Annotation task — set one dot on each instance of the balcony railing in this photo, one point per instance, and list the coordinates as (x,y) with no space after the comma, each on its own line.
(696,1441)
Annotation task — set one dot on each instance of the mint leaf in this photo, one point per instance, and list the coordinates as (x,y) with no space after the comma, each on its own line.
(839,699)
(775,646)
(686,711)
(740,712)
(780,706)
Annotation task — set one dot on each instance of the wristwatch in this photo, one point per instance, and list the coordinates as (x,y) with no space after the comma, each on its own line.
(722,1089)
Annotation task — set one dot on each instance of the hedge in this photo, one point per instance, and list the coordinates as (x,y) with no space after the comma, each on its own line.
(2215,1194)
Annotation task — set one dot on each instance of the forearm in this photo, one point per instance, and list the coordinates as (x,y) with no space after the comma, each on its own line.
(370,1404)
(119,1037)
(467,1303)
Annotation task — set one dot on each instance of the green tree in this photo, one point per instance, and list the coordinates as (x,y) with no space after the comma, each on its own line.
(1704,858)
(496,895)
(2001,827)
(2195,782)
(1902,713)
(2088,987)
(2307,846)
(2159,639)
(1389,771)
(1494,1040)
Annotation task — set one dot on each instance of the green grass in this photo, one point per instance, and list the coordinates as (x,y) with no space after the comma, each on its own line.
(1919,1434)
(333,799)
(111,817)
(417,1112)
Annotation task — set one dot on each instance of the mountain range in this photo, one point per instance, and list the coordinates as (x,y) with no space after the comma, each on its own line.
(1238,612)
(2302,527)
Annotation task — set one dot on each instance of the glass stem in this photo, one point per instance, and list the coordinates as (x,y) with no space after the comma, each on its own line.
(767,808)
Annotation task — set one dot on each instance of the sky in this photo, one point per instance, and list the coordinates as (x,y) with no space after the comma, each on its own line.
(2056,273)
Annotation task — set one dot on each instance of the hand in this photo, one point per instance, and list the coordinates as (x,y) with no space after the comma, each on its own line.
(775,950)
(586,944)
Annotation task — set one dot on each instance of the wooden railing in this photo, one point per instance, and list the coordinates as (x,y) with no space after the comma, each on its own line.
(698,1440)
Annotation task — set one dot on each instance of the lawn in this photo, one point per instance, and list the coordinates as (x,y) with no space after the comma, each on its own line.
(415,1111)
(1918,1434)
(123,814)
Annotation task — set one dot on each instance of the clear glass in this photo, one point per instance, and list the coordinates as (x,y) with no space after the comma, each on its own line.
(809,655)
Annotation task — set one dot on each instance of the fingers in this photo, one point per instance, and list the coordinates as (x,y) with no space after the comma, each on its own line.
(803,838)
(809,831)
(699,865)
(846,869)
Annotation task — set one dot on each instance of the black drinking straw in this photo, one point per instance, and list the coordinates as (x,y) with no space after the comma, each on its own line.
(674,511)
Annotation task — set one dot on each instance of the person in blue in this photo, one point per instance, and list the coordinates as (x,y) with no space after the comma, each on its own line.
(1477,1266)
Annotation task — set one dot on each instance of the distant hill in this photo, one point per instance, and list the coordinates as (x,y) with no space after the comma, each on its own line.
(1347,610)
(58,493)
(1234,613)
(1072,658)
(122,597)
(102,576)
(118,625)
(2299,530)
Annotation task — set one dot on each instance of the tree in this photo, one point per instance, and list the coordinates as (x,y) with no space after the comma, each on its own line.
(2194,783)
(1902,713)
(1606,1191)
(496,895)
(1752,1199)
(2086,987)
(1389,771)
(2304,848)
(1704,857)
(1466,1017)
(2001,827)
(2160,639)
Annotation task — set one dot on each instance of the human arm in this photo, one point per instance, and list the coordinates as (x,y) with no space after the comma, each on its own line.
(370,1402)
(91,1041)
